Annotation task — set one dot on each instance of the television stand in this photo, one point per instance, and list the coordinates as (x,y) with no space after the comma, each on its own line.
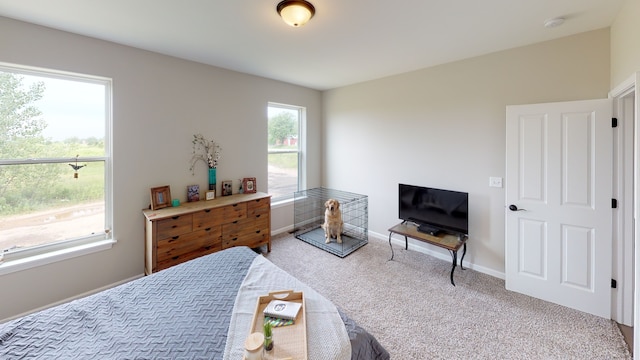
(453,243)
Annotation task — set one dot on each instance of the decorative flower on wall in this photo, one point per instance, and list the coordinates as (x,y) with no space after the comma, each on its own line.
(206,150)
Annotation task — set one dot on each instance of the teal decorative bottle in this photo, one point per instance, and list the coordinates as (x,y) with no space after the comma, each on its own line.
(212,178)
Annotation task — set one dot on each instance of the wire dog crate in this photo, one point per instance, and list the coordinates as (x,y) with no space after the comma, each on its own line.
(309,216)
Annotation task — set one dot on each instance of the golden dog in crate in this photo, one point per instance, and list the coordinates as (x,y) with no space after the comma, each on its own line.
(332,221)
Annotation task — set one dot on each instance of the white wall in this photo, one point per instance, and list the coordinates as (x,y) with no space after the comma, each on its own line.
(159,102)
(445,127)
(625,43)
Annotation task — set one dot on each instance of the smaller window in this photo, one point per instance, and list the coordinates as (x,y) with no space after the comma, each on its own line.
(284,144)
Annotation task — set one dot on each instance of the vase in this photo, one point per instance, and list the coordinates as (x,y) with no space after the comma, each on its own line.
(212,178)
(268,342)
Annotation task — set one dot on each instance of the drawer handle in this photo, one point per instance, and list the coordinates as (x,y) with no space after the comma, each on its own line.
(174,226)
(257,216)
(207,229)
(235,222)
(208,210)
(175,258)
(175,217)
(234,239)
(175,237)
(258,232)
(207,247)
(234,205)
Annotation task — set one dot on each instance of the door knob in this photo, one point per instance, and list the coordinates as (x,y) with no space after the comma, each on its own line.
(515,208)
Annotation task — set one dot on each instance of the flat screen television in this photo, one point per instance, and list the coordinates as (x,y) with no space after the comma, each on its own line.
(434,210)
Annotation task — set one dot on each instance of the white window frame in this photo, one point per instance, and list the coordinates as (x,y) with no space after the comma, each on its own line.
(25,258)
(302,124)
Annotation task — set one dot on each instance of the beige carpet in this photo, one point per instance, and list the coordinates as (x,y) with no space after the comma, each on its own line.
(410,306)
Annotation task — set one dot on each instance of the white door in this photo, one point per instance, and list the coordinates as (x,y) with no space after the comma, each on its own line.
(558,203)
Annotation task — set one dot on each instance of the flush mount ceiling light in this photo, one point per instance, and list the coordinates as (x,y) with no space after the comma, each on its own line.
(295,12)
(555,22)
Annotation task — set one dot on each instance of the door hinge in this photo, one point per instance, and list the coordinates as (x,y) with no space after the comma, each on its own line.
(614,122)
(614,284)
(614,203)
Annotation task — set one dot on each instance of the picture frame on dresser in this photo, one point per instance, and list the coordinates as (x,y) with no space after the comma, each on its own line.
(227,188)
(193,193)
(249,185)
(160,197)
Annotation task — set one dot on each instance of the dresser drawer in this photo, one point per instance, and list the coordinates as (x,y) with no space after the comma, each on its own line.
(234,212)
(208,218)
(245,232)
(217,216)
(173,226)
(178,259)
(258,207)
(179,248)
(251,241)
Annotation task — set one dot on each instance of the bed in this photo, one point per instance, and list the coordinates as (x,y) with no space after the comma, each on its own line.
(201,309)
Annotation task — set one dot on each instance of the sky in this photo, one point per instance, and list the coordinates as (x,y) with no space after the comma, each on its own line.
(71,108)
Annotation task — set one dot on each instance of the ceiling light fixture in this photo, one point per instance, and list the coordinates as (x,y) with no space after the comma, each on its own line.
(555,22)
(296,12)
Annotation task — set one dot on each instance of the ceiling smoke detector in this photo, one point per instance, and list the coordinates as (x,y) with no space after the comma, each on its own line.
(554,22)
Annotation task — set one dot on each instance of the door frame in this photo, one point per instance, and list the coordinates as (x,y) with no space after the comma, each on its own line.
(623,264)
(629,273)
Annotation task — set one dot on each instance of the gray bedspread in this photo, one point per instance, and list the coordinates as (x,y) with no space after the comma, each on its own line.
(172,314)
(179,313)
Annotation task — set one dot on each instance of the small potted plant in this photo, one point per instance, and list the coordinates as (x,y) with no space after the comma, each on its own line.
(268,336)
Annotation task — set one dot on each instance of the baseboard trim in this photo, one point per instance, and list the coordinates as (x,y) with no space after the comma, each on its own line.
(286,229)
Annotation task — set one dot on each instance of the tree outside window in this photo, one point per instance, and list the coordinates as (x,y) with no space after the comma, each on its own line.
(284,150)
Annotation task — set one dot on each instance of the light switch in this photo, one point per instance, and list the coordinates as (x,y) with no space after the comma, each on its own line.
(495,182)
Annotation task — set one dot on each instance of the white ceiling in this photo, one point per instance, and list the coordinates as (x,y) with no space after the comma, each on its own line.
(346,42)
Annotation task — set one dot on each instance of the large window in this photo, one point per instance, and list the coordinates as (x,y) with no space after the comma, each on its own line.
(54,161)
(285,156)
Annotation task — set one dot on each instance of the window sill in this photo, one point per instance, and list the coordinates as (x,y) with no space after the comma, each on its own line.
(11,266)
(282,203)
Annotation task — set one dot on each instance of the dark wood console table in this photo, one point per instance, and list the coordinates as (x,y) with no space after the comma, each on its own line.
(446,241)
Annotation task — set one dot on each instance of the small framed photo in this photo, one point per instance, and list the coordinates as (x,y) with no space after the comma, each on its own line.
(249,185)
(227,186)
(160,197)
(210,195)
(193,193)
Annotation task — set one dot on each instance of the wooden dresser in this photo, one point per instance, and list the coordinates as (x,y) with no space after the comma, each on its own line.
(177,234)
